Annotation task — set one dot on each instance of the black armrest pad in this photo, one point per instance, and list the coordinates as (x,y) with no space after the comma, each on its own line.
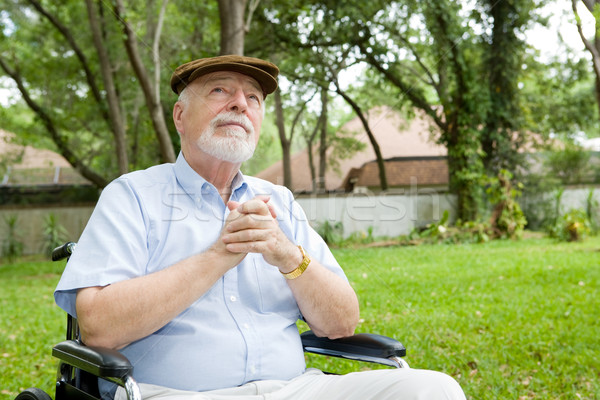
(99,361)
(364,344)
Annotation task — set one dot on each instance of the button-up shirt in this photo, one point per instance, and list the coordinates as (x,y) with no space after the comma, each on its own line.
(243,328)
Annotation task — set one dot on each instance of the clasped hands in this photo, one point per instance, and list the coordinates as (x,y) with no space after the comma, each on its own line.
(252,227)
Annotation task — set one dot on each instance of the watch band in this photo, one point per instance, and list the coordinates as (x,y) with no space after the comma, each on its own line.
(301,268)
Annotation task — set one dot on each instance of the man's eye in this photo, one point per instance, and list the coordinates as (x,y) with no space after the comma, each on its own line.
(218,90)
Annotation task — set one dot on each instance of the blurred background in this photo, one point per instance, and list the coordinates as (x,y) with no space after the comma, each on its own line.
(392,117)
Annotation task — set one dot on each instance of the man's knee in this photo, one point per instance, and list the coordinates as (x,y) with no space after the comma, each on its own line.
(411,384)
(426,384)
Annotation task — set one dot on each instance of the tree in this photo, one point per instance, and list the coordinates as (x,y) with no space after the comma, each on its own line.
(591,45)
(504,53)
(430,53)
(235,23)
(114,109)
(443,68)
(285,139)
(300,33)
(100,94)
(150,89)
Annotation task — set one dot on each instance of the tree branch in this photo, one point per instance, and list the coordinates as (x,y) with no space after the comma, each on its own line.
(152,102)
(60,142)
(78,52)
(251,8)
(155,47)
(588,45)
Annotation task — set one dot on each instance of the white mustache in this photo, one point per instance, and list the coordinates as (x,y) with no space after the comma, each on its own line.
(231,117)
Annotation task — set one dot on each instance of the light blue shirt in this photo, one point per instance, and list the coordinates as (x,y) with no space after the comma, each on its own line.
(243,328)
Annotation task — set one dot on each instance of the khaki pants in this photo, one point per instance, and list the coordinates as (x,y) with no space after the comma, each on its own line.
(388,384)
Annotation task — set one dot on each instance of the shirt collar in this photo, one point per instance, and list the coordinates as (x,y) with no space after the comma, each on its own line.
(194,184)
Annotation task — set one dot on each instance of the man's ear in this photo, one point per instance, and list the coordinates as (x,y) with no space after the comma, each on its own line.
(177,116)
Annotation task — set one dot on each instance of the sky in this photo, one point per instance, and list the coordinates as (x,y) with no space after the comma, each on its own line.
(561,23)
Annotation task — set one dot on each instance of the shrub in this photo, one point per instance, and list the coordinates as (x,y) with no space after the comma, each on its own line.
(12,247)
(591,210)
(54,233)
(462,232)
(332,233)
(572,226)
(508,220)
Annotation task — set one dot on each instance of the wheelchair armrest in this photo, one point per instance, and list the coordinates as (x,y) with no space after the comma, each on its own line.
(63,251)
(362,347)
(98,361)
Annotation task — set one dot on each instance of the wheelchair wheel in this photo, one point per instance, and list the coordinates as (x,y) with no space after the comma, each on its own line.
(33,394)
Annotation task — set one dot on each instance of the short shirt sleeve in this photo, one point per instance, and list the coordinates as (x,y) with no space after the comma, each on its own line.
(112,248)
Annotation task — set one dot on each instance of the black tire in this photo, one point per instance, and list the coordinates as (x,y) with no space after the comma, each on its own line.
(33,394)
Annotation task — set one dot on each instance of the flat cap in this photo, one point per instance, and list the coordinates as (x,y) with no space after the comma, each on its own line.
(263,71)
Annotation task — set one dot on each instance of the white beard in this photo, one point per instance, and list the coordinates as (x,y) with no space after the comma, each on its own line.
(235,146)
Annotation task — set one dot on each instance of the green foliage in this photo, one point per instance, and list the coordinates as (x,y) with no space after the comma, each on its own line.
(591,211)
(459,233)
(560,98)
(572,226)
(436,231)
(332,233)
(508,220)
(359,238)
(54,233)
(570,164)
(12,247)
(57,81)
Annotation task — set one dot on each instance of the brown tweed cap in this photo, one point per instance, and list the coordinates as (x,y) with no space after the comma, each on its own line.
(263,71)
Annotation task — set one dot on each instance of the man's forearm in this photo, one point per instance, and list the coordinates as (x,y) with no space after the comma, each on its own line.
(327,302)
(118,314)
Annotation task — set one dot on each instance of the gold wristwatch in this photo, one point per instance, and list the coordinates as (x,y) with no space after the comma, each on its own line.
(301,268)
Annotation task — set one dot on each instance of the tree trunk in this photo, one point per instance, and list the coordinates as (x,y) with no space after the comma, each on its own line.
(155,47)
(285,142)
(152,102)
(311,161)
(380,161)
(323,142)
(233,28)
(112,98)
(593,48)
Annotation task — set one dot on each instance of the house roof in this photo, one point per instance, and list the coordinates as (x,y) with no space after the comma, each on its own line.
(27,165)
(401,171)
(396,137)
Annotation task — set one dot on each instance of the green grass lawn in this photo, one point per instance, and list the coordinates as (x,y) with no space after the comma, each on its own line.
(509,320)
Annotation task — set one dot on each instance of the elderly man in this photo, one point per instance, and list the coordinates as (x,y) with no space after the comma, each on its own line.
(198,273)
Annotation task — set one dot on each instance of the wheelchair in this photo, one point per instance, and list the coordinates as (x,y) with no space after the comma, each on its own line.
(81,366)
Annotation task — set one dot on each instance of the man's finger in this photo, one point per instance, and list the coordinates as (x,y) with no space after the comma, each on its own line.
(232,205)
(254,206)
(267,200)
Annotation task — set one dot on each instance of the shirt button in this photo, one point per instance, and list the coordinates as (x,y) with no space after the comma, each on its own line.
(246,326)
(253,369)
(233,298)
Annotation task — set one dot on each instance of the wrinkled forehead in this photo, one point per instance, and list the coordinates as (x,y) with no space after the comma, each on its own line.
(225,77)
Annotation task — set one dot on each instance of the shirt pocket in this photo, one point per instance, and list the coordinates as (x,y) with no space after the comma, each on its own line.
(274,295)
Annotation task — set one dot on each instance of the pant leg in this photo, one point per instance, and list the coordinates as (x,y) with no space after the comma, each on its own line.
(259,390)
(388,384)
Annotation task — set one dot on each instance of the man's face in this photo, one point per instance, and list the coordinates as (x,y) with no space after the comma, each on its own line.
(221,115)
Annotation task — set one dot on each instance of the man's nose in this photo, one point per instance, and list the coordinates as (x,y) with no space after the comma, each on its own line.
(238,102)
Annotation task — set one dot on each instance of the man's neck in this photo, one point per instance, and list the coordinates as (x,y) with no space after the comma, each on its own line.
(217,172)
